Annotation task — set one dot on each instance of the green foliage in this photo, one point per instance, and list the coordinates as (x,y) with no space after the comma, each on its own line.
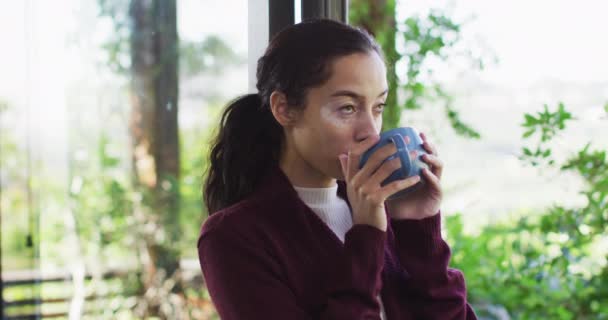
(117,48)
(453,116)
(547,124)
(16,252)
(547,266)
(434,35)
(431,36)
(101,192)
(113,217)
(3,105)
(192,211)
(211,54)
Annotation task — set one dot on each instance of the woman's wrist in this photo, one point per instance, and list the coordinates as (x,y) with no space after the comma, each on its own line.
(398,212)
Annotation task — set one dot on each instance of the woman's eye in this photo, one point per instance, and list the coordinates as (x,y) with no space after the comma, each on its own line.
(381,106)
(348,108)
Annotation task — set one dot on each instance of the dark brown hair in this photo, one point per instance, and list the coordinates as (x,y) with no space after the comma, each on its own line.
(249,139)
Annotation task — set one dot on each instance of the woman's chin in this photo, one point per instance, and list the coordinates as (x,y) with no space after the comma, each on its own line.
(337,174)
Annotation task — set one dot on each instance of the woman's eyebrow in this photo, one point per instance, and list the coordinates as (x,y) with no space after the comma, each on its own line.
(353,94)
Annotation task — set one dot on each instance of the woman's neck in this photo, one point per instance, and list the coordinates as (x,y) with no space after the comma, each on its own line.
(301,174)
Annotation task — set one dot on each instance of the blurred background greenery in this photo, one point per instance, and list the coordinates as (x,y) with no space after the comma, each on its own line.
(101,175)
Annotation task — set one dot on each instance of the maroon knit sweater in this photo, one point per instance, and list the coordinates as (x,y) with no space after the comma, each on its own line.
(271,257)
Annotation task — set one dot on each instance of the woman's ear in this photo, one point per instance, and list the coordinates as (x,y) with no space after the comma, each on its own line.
(280,109)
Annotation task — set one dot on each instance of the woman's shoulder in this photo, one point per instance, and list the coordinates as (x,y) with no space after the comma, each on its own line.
(245,217)
(260,215)
(235,213)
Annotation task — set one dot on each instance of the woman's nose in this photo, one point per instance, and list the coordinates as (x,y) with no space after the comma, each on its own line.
(367,127)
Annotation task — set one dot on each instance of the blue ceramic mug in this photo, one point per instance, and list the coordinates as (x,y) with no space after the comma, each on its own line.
(409,167)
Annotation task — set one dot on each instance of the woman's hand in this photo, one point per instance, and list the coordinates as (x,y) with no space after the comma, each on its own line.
(365,194)
(426,200)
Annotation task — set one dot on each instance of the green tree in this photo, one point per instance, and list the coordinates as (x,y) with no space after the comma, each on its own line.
(146,31)
(167,167)
(17,251)
(154,127)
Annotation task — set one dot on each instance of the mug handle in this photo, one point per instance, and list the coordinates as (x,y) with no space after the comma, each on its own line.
(403,152)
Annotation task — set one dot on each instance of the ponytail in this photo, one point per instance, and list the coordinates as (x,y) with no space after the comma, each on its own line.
(247,145)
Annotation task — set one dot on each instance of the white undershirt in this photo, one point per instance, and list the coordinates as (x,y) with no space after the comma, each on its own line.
(333,210)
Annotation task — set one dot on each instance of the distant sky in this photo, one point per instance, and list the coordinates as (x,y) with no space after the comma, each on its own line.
(561,39)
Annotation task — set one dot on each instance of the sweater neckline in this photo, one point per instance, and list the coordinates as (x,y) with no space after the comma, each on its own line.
(276,184)
(318,196)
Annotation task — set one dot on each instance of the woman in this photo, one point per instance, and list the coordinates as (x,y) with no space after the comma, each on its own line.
(296,230)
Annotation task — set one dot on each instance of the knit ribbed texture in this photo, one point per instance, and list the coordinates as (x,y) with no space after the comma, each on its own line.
(334,211)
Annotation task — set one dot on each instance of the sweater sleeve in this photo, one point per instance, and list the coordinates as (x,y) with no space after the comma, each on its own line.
(433,290)
(244,280)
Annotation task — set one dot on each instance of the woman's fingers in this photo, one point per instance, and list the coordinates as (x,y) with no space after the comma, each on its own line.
(432,158)
(397,186)
(429,147)
(435,163)
(383,172)
(369,178)
(354,155)
(372,164)
(431,179)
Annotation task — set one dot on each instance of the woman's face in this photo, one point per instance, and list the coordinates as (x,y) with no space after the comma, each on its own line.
(342,112)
